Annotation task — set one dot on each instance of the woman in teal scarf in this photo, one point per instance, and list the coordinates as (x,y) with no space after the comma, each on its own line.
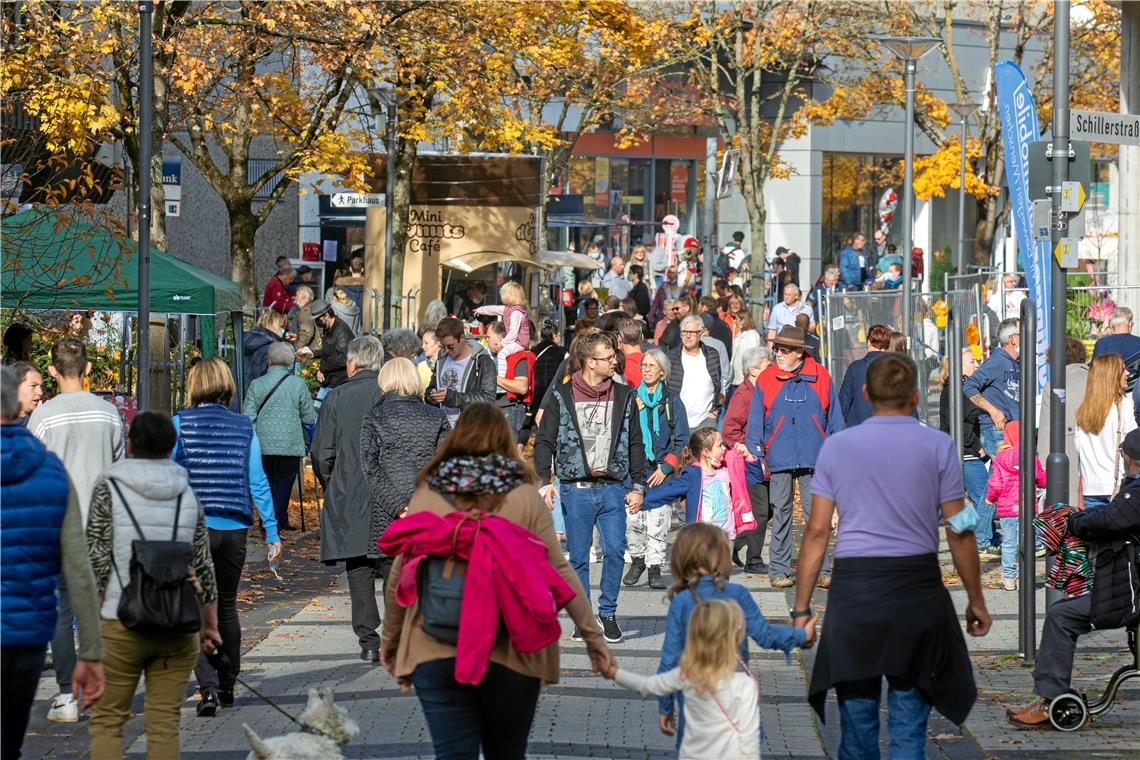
(664,431)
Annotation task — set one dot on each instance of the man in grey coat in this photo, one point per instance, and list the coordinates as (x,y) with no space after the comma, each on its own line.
(346,514)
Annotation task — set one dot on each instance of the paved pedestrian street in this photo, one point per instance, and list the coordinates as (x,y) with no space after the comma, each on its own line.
(309,643)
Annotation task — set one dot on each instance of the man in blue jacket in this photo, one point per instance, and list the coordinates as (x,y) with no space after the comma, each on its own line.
(852,402)
(794,409)
(995,386)
(853,263)
(41,536)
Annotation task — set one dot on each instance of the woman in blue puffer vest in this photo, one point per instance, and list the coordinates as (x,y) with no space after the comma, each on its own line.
(222,456)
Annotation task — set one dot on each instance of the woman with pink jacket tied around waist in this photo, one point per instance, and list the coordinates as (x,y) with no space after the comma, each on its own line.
(1004,492)
(514,315)
(476,502)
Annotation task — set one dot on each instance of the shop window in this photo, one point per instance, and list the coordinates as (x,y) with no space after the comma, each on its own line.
(852,187)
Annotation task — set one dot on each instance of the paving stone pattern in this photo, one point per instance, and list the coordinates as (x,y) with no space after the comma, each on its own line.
(311,644)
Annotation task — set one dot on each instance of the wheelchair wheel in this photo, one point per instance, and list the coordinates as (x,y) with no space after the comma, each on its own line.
(1068,712)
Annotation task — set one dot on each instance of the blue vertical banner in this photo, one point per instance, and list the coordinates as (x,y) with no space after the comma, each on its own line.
(1019,129)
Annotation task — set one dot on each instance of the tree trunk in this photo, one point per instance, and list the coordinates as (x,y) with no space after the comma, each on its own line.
(404,162)
(243,231)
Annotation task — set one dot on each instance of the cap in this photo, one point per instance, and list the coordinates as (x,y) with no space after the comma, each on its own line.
(599,239)
(670,219)
(691,242)
(790,335)
(1131,446)
(319,307)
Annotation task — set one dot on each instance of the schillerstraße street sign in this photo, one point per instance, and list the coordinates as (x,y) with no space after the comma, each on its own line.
(1097,126)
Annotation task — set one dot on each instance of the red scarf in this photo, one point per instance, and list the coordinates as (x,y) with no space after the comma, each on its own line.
(583,391)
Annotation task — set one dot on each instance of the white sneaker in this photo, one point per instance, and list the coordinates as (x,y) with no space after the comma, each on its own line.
(64,709)
(595,557)
(1009,584)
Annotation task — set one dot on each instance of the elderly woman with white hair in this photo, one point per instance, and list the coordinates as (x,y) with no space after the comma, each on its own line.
(664,433)
(281,407)
(753,361)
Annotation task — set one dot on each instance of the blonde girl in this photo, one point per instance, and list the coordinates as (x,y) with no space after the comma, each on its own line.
(514,314)
(722,711)
(700,566)
(704,484)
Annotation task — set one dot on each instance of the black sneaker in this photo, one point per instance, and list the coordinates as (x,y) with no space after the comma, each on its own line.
(576,635)
(226,697)
(655,580)
(610,629)
(636,569)
(208,705)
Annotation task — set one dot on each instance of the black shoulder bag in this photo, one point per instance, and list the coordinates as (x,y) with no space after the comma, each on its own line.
(441,582)
(159,597)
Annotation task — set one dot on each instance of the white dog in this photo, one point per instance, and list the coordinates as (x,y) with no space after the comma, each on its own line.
(335,729)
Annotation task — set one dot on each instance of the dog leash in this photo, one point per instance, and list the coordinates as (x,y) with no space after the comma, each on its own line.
(226,663)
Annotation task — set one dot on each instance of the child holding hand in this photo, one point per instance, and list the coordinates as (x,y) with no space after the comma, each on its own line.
(700,565)
(722,709)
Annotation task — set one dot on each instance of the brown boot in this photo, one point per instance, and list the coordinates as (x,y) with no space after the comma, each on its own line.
(1033,715)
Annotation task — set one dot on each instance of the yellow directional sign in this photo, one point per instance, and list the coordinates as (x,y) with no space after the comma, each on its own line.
(1072,197)
(1066,253)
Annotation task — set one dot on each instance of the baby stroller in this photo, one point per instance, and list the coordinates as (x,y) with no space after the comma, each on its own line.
(1070,711)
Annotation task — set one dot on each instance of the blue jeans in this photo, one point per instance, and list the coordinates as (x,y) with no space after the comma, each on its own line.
(976,478)
(556,515)
(991,437)
(496,714)
(603,505)
(859,719)
(1009,541)
(1096,501)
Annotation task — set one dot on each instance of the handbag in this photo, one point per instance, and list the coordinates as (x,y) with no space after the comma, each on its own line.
(441,583)
(159,595)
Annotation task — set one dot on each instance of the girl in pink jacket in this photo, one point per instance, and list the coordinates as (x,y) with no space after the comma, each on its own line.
(1004,492)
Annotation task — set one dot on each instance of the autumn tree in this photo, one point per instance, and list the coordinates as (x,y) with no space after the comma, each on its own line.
(764,69)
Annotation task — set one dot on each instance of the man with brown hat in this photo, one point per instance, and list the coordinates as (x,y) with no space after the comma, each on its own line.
(794,409)
(333,353)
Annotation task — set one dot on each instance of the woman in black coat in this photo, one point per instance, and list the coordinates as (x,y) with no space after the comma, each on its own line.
(399,437)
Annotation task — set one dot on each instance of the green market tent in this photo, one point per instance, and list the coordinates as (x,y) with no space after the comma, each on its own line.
(51,262)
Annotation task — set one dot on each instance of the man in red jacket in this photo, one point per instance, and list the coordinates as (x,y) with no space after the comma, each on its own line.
(277,295)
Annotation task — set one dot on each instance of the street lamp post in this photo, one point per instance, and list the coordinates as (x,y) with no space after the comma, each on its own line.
(963,110)
(909,50)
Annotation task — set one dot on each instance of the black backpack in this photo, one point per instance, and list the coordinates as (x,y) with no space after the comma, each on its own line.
(159,597)
(441,582)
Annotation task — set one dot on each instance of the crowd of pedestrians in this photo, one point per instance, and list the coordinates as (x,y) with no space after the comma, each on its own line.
(665,408)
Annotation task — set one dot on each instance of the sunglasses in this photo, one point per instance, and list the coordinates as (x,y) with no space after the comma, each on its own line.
(786,350)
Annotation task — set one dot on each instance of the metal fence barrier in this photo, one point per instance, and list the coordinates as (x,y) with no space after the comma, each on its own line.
(846,318)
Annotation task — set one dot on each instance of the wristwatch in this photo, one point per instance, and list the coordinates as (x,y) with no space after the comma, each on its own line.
(797,614)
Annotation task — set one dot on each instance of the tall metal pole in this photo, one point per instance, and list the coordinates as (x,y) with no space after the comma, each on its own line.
(1057,464)
(909,65)
(954,379)
(1027,600)
(961,262)
(391,183)
(146,91)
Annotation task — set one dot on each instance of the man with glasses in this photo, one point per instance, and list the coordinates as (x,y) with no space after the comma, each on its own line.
(465,372)
(696,375)
(794,410)
(591,437)
(995,386)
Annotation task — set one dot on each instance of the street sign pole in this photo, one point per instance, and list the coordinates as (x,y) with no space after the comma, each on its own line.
(1057,464)
(146,89)
(389,184)
(1027,486)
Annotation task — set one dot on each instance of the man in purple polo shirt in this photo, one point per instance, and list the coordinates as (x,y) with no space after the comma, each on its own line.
(888,612)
